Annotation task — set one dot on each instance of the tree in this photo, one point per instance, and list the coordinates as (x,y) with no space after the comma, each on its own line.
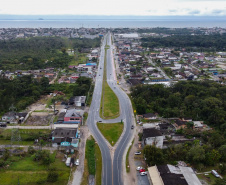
(196,154)
(220,182)
(44,83)
(153,155)
(222,151)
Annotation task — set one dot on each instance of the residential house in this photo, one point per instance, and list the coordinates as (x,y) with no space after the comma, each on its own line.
(149,116)
(14,117)
(78,101)
(65,137)
(180,124)
(152,136)
(71,116)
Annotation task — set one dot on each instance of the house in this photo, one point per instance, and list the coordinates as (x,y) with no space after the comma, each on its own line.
(152,136)
(9,117)
(180,124)
(172,175)
(149,116)
(65,137)
(77,101)
(80,101)
(71,116)
(14,117)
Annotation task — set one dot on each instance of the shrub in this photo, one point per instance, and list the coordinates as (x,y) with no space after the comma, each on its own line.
(31,150)
(52,176)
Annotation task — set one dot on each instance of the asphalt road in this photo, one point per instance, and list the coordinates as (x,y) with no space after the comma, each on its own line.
(112,170)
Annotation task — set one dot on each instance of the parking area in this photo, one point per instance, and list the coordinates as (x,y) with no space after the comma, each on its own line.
(141,180)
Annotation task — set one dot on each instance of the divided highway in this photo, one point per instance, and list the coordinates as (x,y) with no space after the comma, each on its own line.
(113,163)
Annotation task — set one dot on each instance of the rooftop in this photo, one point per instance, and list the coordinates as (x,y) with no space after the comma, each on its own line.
(151,132)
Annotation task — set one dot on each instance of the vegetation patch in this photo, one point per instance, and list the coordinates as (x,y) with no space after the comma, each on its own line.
(28,136)
(34,167)
(98,164)
(127,158)
(90,156)
(93,162)
(111,131)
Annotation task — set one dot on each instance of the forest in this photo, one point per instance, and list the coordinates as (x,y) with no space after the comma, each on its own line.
(191,42)
(199,100)
(40,52)
(203,101)
(23,91)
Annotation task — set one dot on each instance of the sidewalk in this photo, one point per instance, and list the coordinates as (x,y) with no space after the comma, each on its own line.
(77,176)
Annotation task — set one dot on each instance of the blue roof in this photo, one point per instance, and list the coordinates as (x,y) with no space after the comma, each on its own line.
(91,64)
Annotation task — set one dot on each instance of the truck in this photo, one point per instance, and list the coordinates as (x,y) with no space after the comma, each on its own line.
(68,161)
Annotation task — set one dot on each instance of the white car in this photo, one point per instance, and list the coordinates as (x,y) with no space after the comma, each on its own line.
(139,168)
(77,162)
(143,173)
(137,153)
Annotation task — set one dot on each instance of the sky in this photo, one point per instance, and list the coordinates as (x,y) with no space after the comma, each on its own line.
(115,7)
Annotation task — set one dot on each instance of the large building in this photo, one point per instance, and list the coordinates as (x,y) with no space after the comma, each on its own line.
(172,175)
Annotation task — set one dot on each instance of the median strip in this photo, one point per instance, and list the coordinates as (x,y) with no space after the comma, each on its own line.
(109,101)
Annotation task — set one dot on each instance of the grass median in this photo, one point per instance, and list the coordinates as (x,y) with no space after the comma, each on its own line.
(111,131)
(109,100)
(127,158)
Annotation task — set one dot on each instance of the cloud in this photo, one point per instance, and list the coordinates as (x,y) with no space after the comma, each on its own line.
(173,11)
(194,12)
(218,11)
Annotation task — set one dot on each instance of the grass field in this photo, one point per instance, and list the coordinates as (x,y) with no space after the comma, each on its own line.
(30,172)
(27,136)
(111,131)
(80,59)
(109,101)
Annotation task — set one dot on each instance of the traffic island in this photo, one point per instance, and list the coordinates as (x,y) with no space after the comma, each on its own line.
(111,131)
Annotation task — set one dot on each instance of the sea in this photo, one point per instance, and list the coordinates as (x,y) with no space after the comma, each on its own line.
(115,23)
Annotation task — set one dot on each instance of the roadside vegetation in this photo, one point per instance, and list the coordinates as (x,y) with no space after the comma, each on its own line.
(33,167)
(98,164)
(111,131)
(127,157)
(109,100)
(93,162)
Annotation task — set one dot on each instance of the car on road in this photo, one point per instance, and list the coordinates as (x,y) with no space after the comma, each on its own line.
(132,127)
(139,168)
(100,121)
(143,173)
(137,153)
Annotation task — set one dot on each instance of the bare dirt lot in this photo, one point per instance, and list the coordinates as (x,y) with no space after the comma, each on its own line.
(39,119)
